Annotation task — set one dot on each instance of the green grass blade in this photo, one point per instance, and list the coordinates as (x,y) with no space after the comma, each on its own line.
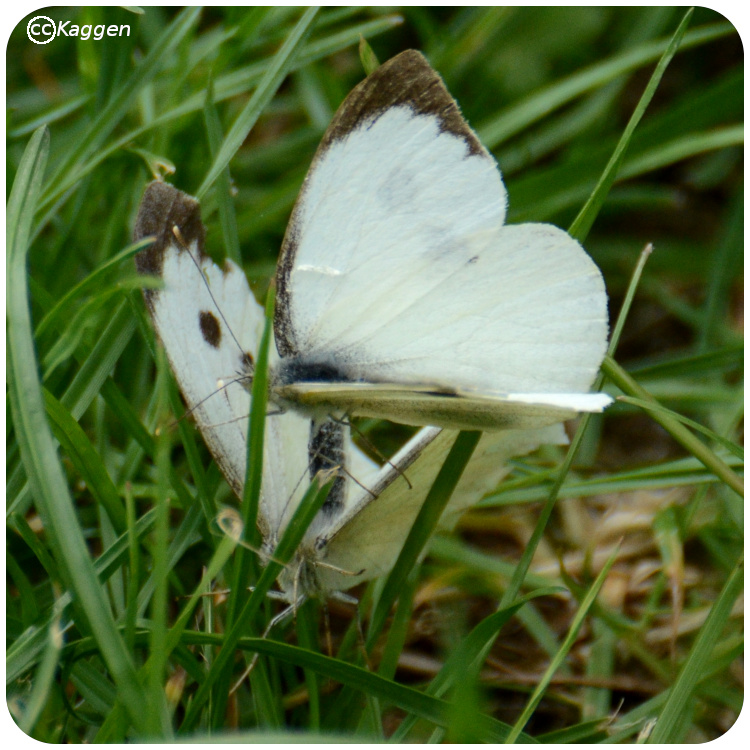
(470,654)
(158,714)
(518,118)
(680,433)
(653,408)
(669,726)
(182,540)
(106,121)
(267,87)
(585,219)
(424,525)
(23,199)
(86,460)
(37,444)
(43,679)
(86,385)
(398,632)
(685,472)
(23,654)
(683,148)
(49,117)
(727,358)
(54,319)
(303,516)
(255,462)
(248,510)
(89,379)
(175,635)
(729,259)
(409,699)
(29,607)
(622,316)
(227,214)
(567,644)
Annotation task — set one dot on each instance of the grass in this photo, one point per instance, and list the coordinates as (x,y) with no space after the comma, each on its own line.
(612,575)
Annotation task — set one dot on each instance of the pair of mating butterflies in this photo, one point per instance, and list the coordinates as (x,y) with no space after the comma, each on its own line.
(401,294)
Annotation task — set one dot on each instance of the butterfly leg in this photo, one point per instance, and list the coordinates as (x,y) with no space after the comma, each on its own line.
(348,423)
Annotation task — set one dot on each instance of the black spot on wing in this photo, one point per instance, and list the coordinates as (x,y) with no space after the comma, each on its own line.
(210,328)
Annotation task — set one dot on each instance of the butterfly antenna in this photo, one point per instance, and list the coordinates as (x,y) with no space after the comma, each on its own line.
(181,240)
(230,523)
(223,386)
(236,419)
(246,673)
(373,448)
(212,592)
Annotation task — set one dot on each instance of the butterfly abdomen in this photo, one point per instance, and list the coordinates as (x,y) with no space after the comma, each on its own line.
(327,453)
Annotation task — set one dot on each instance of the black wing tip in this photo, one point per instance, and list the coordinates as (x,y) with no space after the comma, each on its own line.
(409,58)
(162,208)
(407,79)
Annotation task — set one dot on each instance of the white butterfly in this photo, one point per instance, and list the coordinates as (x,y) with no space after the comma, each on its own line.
(401,293)
(210,326)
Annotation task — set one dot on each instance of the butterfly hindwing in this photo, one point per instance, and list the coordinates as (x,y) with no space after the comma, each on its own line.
(372,537)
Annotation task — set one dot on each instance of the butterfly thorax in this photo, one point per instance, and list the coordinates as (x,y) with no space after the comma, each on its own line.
(292,370)
(299,368)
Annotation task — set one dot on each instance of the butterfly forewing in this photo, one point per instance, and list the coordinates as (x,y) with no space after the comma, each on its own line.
(210,326)
(207,320)
(397,267)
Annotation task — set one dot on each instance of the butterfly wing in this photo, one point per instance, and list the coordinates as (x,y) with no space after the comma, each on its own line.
(452,408)
(211,326)
(369,539)
(397,266)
